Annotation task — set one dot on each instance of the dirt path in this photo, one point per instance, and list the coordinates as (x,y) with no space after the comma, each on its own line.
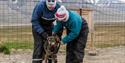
(107,55)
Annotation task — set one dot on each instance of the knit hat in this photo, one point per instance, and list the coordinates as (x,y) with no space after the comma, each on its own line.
(62,14)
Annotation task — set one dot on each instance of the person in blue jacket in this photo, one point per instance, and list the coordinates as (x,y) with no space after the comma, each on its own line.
(77,32)
(42,24)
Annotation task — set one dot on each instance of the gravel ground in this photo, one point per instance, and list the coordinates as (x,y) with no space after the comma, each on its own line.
(106,55)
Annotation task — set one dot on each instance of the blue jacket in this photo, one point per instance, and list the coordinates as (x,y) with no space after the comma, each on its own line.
(73,25)
(42,16)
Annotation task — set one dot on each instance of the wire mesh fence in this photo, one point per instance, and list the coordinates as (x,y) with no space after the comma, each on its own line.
(15,26)
(16,32)
(109,21)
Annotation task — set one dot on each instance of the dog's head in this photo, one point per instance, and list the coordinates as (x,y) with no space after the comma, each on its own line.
(53,43)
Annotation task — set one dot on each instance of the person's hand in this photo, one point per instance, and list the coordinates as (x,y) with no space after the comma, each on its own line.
(53,34)
(62,43)
(57,39)
(44,35)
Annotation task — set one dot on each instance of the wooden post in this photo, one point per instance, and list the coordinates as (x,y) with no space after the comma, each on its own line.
(80,12)
(87,14)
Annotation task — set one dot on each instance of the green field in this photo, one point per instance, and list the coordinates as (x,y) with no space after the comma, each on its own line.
(16,37)
(20,37)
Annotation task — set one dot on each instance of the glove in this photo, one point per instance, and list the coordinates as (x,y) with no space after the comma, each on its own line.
(44,35)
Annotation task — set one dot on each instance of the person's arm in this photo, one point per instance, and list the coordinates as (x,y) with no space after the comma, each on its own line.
(37,13)
(74,32)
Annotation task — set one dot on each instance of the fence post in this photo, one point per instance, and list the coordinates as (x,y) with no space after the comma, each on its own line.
(87,14)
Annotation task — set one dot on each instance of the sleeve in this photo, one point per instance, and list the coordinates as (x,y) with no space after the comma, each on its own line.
(57,27)
(74,31)
(36,15)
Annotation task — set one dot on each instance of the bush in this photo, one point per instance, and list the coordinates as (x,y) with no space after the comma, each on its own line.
(4,49)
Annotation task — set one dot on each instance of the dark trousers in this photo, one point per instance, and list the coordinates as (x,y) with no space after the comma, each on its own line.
(39,51)
(75,48)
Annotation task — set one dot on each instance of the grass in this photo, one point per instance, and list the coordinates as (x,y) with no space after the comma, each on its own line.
(7,46)
(109,36)
(16,34)
(18,45)
(20,37)
(105,45)
(4,49)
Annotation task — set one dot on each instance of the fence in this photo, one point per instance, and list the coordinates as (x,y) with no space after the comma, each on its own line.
(15,25)
(106,24)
